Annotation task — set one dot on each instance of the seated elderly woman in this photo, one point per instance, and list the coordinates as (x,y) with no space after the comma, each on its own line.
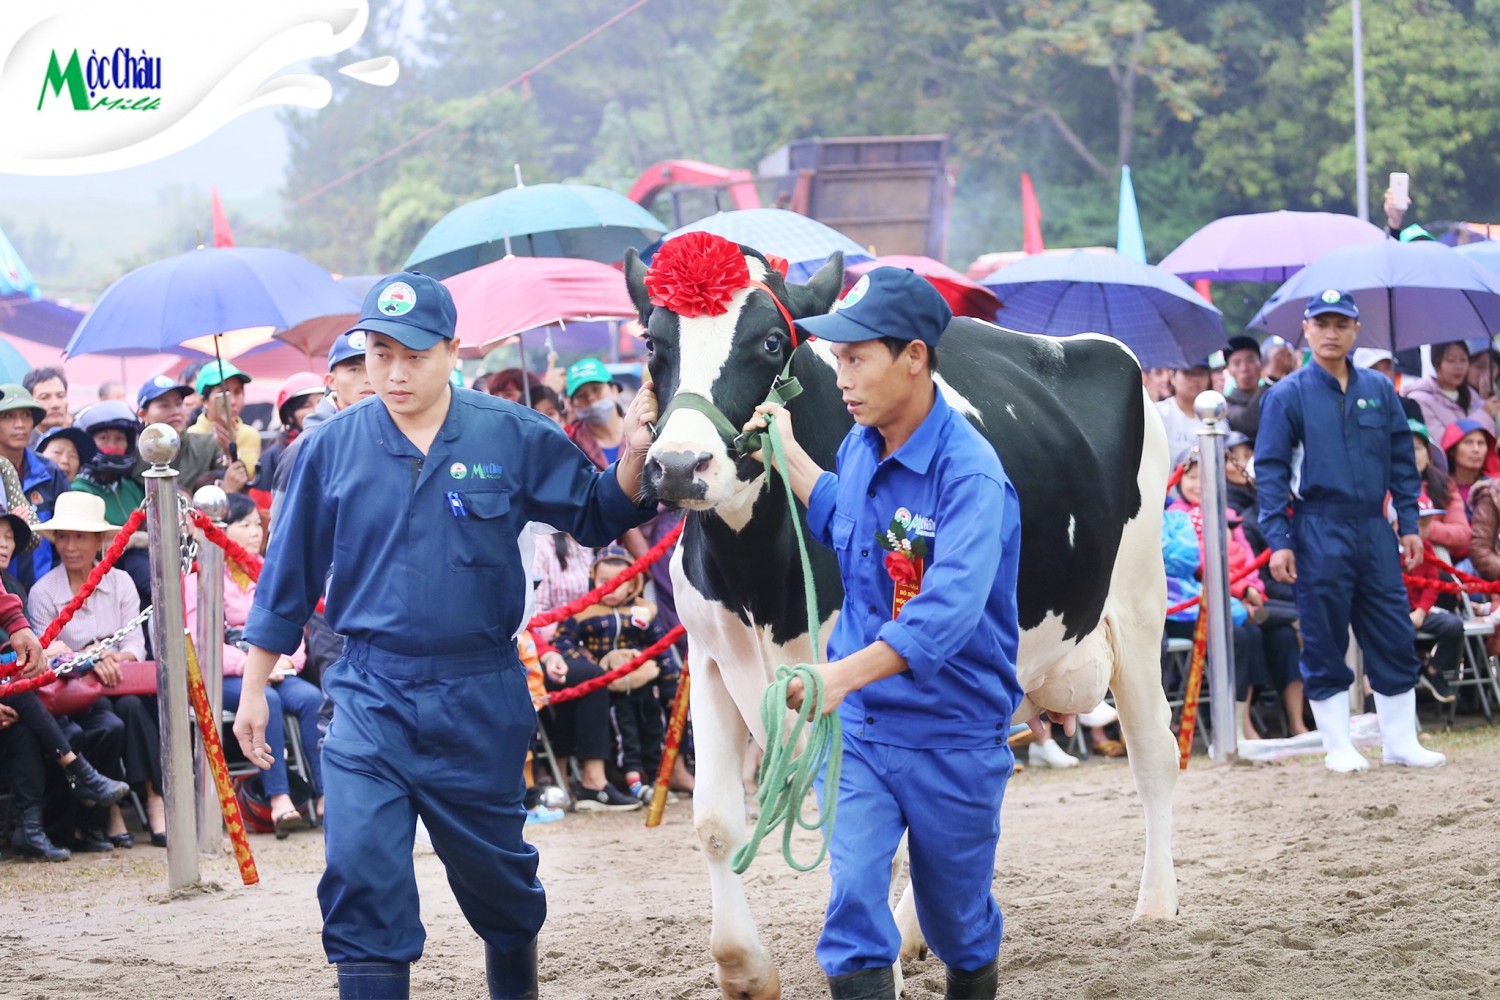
(286,694)
(78,530)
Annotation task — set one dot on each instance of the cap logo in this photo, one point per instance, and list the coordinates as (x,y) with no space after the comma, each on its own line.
(357,339)
(854,294)
(162,382)
(1331,296)
(457,470)
(398,299)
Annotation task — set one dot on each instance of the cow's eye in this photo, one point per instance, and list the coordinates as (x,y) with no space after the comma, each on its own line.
(650,346)
(773,343)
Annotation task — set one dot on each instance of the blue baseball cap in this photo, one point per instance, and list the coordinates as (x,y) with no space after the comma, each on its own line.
(1331,301)
(410,307)
(884,302)
(158,387)
(349,345)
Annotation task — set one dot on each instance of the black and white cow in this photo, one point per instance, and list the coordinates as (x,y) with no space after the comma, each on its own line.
(1088,458)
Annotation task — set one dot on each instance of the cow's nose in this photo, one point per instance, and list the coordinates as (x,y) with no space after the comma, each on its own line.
(674,474)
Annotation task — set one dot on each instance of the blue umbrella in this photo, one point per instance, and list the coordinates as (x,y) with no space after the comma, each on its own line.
(39,320)
(535,220)
(204,292)
(1158,316)
(1486,253)
(1408,294)
(804,242)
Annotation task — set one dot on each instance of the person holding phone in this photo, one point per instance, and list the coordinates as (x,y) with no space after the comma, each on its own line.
(222,387)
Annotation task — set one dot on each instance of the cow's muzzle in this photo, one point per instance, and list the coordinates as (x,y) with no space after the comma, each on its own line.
(675,476)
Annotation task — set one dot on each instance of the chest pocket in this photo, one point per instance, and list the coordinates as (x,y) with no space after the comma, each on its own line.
(481,540)
(842,530)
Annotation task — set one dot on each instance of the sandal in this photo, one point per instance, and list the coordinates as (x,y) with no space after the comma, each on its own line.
(286,822)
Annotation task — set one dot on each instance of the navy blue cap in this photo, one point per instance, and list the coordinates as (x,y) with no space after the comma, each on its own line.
(884,302)
(410,307)
(349,345)
(1331,301)
(158,387)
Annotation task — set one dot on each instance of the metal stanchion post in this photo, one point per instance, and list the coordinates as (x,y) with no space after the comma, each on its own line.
(1210,407)
(158,446)
(212,503)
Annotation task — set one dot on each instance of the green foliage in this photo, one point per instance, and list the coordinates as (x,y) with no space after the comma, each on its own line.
(1219,106)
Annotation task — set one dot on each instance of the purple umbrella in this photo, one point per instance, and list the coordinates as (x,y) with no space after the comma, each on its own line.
(1269,246)
(1408,294)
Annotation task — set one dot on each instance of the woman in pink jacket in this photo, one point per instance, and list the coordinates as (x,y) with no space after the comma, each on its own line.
(287,693)
(1446,396)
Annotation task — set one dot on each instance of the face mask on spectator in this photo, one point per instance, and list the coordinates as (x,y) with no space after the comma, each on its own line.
(597,413)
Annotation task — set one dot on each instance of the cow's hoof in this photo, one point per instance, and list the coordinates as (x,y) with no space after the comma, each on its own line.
(740,987)
(1164,910)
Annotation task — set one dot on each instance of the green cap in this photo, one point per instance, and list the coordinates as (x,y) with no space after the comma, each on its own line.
(1420,429)
(18,397)
(217,373)
(586,371)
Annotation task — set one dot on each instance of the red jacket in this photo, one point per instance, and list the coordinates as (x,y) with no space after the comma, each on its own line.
(1420,592)
(12,613)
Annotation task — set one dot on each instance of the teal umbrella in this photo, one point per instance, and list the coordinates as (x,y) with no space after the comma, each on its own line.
(13,367)
(14,278)
(535,220)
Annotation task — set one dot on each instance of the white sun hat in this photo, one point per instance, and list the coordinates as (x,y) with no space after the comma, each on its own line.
(77,511)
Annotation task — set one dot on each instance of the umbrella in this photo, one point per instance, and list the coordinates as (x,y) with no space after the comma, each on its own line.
(41,321)
(965,296)
(805,243)
(206,292)
(1159,317)
(515,294)
(1270,246)
(87,372)
(14,278)
(535,220)
(1408,294)
(315,336)
(1486,254)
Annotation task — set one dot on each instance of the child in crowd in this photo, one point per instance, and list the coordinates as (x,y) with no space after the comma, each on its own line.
(526,646)
(1446,628)
(612,632)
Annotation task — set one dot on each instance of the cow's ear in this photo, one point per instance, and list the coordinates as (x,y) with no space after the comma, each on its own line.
(821,291)
(635,280)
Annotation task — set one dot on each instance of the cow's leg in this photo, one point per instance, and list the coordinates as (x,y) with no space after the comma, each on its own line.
(743,970)
(1146,722)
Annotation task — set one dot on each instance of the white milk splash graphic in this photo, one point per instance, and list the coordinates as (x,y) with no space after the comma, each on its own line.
(104,85)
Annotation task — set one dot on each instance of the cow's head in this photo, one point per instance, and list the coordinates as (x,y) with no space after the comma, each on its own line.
(714,330)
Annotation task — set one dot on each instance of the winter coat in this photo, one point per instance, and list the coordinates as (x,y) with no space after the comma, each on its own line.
(1438,411)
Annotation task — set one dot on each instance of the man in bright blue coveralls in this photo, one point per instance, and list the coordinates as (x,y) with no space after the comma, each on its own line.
(416,499)
(1333,440)
(921,671)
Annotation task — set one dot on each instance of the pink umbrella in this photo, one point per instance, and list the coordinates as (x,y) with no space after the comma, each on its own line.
(964,296)
(1269,246)
(502,299)
(87,372)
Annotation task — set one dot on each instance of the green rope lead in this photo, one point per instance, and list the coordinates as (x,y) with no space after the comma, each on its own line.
(785,775)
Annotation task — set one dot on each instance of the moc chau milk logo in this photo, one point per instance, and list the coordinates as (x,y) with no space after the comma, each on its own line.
(187,66)
(88,81)
(397,299)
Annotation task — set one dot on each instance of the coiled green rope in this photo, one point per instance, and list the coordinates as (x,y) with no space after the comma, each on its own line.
(786,776)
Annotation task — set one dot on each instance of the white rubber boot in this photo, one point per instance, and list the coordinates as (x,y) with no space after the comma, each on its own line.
(1332,716)
(1398,732)
(1049,754)
(1101,715)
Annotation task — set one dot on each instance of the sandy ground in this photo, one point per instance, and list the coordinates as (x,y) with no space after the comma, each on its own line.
(1293,883)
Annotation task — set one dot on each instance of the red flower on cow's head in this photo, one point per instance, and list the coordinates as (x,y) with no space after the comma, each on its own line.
(900,567)
(696,274)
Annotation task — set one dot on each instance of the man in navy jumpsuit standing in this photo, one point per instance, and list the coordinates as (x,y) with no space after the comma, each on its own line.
(921,670)
(415,499)
(1333,440)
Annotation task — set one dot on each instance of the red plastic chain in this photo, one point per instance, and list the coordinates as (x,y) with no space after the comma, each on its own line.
(1260,561)
(111,556)
(592,597)
(595,683)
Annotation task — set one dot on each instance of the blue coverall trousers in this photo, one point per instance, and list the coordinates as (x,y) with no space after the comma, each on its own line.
(1349,573)
(949,800)
(444,738)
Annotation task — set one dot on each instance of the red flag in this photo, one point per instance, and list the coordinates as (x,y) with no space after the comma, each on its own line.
(1031,217)
(1204,287)
(222,235)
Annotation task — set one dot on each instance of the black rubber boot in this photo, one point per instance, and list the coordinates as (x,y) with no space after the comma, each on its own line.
(90,787)
(980,984)
(867,984)
(374,981)
(511,974)
(31,840)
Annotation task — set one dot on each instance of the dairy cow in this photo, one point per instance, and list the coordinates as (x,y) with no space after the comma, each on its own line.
(1088,458)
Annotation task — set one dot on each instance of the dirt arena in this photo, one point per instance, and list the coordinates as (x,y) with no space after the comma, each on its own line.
(1293,883)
